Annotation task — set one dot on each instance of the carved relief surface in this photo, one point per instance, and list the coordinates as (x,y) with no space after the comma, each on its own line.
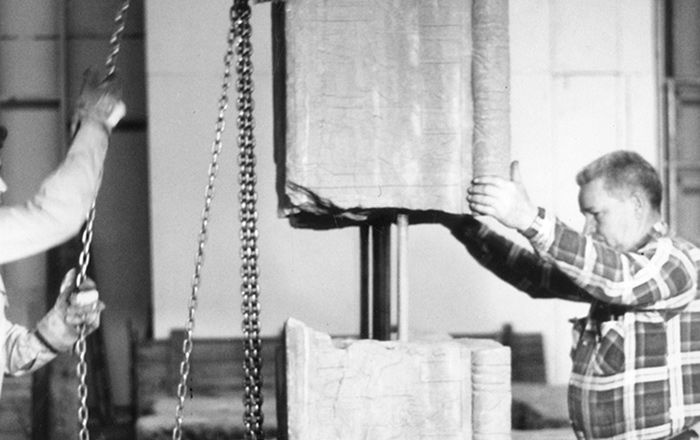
(386,104)
(362,389)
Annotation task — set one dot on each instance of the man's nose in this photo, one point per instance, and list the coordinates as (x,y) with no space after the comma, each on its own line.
(3,186)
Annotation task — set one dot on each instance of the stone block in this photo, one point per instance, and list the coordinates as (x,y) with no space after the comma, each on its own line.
(358,389)
(388,105)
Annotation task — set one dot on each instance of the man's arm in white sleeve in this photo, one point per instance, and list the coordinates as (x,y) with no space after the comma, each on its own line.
(58,209)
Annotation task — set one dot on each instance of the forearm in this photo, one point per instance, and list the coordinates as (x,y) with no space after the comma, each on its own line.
(25,352)
(660,275)
(59,208)
(517,265)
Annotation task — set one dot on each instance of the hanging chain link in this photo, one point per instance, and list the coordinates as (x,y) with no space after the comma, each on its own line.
(250,309)
(86,238)
(81,344)
(187,343)
(114,41)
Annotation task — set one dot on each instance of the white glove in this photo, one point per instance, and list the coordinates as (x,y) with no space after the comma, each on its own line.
(99,101)
(60,327)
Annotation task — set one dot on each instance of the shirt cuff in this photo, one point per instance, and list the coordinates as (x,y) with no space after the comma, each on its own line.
(56,333)
(97,123)
(531,231)
(44,342)
(541,231)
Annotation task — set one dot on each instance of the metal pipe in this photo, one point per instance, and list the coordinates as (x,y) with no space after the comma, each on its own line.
(402,275)
(381,291)
(365,287)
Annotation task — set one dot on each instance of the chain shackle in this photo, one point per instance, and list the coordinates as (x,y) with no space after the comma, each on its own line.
(247,196)
(187,344)
(86,238)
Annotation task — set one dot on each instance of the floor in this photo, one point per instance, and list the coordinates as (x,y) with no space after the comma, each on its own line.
(121,428)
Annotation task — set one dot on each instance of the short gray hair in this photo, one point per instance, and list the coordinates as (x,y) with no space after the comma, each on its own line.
(625,170)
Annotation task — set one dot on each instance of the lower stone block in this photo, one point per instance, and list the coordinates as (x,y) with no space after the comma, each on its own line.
(362,389)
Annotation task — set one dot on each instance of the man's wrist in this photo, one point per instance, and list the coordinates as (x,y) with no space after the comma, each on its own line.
(56,333)
(531,230)
(44,342)
(97,122)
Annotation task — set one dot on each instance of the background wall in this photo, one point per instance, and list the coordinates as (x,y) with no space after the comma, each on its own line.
(583,83)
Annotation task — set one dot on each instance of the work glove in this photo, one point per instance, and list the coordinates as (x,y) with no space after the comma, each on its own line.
(60,327)
(99,101)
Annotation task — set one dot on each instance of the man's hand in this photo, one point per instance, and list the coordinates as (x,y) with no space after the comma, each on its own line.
(505,200)
(81,307)
(60,327)
(100,101)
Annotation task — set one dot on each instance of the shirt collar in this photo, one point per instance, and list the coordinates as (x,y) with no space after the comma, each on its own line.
(658,230)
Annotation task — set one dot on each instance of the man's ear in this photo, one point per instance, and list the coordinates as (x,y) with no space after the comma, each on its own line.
(640,202)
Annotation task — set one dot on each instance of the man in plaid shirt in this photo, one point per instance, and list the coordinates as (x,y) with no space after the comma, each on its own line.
(636,356)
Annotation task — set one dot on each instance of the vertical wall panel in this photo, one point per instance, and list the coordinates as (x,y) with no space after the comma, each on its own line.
(28,56)
(29,69)
(686,38)
(28,18)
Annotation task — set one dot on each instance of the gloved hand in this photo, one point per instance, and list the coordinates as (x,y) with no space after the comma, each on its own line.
(60,327)
(99,101)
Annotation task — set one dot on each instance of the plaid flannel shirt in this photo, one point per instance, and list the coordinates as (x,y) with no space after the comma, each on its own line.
(636,356)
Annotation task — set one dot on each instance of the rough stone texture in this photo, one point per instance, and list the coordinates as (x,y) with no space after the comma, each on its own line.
(360,389)
(390,104)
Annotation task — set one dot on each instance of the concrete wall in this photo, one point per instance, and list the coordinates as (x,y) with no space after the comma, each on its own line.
(583,83)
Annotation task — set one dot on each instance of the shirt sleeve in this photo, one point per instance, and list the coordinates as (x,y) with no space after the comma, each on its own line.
(25,352)
(659,276)
(516,265)
(59,208)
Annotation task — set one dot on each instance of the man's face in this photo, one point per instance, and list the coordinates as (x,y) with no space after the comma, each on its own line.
(612,217)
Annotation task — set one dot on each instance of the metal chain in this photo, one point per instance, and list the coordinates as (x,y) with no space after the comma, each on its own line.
(252,365)
(81,344)
(84,258)
(187,343)
(114,42)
